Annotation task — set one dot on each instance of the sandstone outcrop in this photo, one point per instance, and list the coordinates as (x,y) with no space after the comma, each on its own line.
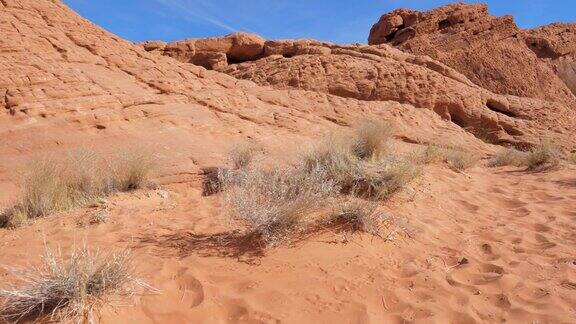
(211,53)
(491,51)
(66,82)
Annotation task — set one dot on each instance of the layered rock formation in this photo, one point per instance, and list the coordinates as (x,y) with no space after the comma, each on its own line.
(66,82)
(382,73)
(491,51)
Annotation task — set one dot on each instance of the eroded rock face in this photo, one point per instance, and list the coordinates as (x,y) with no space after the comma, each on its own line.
(382,73)
(211,53)
(491,51)
(67,83)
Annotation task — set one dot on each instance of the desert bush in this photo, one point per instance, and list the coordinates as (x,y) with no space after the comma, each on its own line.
(273,203)
(429,154)
(542,156)
(67,289)
(335,157)
(244,154)
(376,176)
(356,215)
(371,139)
(384,178)
(460,160)
(508,156)
(131,169)
(55,184)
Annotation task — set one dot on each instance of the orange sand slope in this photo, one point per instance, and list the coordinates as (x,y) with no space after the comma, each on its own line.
(491,247)
(483,246)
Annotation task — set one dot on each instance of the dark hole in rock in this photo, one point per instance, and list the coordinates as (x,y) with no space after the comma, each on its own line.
(391,36)
(443,24)
(458,120)
(499,108)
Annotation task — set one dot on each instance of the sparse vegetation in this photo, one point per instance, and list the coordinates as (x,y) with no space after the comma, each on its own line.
(460,160)
(67,290)
(359,165)
(430,154)
(99,217)
(545,155)
(371,139)
(273,203)
(508,156)
(357,215)
(131,169)
(542,156)
(57,184)
(242,155)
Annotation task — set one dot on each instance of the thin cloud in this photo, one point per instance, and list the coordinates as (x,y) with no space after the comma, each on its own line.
(195,15)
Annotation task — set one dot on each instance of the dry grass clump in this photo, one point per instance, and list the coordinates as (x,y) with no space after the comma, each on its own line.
(67,289)
(430,154)
(508,156)
(545,155)
(363,164)
(131,169)
(542,156)
(460,160)
(242,155)
(273,203)
(57,184)
(383,178)
(370,138)
(356,215)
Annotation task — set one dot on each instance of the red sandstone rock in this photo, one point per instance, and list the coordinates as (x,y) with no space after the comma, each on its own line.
(211,53)
(491,51)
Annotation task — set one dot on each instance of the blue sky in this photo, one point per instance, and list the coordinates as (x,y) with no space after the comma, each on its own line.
(339,21)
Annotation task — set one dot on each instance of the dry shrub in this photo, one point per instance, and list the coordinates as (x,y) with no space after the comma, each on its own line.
(131,169)
(545,155)
(57,184)
(429,154)
(383,178)
(274,203)
(364,216)
(371,138)
(508,156)
(335,156)
(68,289)
(373,176)
(460,160)
(242,155)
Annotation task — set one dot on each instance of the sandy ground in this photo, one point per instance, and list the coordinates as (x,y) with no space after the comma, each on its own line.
(493,245)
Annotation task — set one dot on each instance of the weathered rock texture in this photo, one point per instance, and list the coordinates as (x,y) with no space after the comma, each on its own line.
(66,82)
(491,51)
(382,73)
(211,53)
